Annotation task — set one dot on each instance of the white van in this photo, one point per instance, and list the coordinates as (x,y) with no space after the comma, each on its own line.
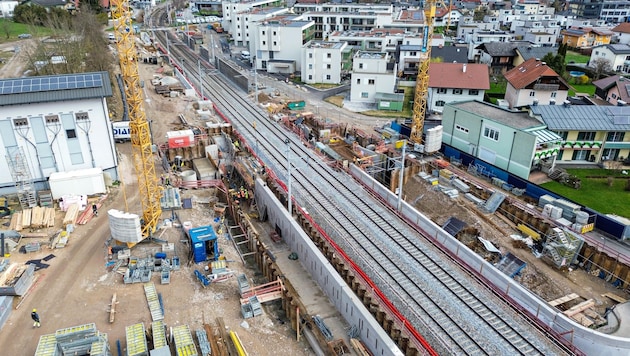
(245,55)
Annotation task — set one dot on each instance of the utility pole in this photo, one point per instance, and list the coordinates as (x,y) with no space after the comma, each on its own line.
(400,180)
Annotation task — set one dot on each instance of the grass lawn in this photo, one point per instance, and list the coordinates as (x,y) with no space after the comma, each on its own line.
(16,29)
(582,88)
(595,192)
(576,57)
(497,88)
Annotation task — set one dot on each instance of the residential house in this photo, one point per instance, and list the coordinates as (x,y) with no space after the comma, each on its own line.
(534,83)
(586,37)
(587,9)
(278,41)
(378,40)
(60,4)
(372,73)
(55,123)
(532,7)
(614,89)
(447,16)
(468,27)
(542,30)
(510,140)
(615,11)
(477,38)
(237,15)
(449,54)
(449,82)
(622,33)
(590,133)
(525,51)
(410,53)
(618,56)
(325,62)
(498,55)
(339,17)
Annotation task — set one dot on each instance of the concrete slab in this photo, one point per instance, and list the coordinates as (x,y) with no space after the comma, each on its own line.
(316,302)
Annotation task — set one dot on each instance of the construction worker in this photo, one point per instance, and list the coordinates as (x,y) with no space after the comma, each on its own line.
(94,209)
(35,318)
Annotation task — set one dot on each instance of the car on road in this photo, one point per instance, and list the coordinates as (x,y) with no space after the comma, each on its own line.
(25,35)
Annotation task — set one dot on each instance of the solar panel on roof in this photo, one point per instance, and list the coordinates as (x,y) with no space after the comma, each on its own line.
(621,120)
(30,85)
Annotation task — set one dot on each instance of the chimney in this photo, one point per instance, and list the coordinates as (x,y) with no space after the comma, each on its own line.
(464,68)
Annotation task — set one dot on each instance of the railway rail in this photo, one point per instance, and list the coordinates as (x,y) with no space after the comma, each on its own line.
(453,312)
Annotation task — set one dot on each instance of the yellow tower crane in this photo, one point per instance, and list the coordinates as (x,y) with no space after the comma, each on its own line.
(422,80)
(142,151)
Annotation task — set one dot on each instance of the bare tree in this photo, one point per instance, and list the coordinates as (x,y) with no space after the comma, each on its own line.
(601,66)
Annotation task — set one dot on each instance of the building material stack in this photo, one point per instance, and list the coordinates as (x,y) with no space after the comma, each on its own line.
(158,331)
(136,342)
(77,340)
(71,215)
(17,279)
(184,343)
(154,302)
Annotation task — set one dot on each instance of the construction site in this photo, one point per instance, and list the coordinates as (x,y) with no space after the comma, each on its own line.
(178,257)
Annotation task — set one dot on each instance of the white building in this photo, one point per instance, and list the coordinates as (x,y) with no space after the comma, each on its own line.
(332,17)
(57,123)
(6,8)
(378,40)
(323,62)
(450,82)
(618,56)
(277,43)
(237,16)
(372,72)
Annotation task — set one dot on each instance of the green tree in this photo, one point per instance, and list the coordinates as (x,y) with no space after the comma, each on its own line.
(555,62)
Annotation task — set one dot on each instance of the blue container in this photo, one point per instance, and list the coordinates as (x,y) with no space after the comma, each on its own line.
(161,255)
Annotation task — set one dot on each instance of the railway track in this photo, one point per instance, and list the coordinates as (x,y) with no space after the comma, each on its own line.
(454,313)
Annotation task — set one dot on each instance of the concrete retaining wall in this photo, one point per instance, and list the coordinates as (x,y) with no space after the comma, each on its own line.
(344,299)
(584,339)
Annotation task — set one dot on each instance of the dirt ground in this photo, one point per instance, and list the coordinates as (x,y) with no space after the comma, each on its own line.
(77,288)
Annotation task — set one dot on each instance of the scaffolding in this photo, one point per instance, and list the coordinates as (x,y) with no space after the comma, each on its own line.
(21,174)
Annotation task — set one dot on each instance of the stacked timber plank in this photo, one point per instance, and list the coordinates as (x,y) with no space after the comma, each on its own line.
(71,215)
(35,218)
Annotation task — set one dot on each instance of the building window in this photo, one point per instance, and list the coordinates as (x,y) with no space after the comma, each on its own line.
(264,43)
(327,76)
(274,33)
(615,136)
(554,94)
(586,136)
(328,66)
(328,55)
(275,43)
(473,92)
(461,128)
(364,94)
(457,91)
(371,81)
(263,33)
(491,133)
(358,80)
(71,133)
(360,65)
(581,155)
(441,90)
(614,96)
(51,119)
(310,66)
(310,55)
(440,103)
(310,77)
(532,93)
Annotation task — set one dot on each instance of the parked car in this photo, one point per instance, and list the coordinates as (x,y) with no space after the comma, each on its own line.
(25,35)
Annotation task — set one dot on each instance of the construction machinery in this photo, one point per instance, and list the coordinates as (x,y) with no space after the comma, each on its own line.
(142,151)
(422,80)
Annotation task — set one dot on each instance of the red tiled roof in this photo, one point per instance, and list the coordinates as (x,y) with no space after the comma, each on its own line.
(452,75)
(528,72)
(622,28)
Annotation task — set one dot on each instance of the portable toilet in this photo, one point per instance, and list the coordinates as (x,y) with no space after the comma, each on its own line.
(204,243)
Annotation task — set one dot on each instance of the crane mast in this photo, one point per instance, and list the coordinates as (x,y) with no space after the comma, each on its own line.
(142,151)
(422,80)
